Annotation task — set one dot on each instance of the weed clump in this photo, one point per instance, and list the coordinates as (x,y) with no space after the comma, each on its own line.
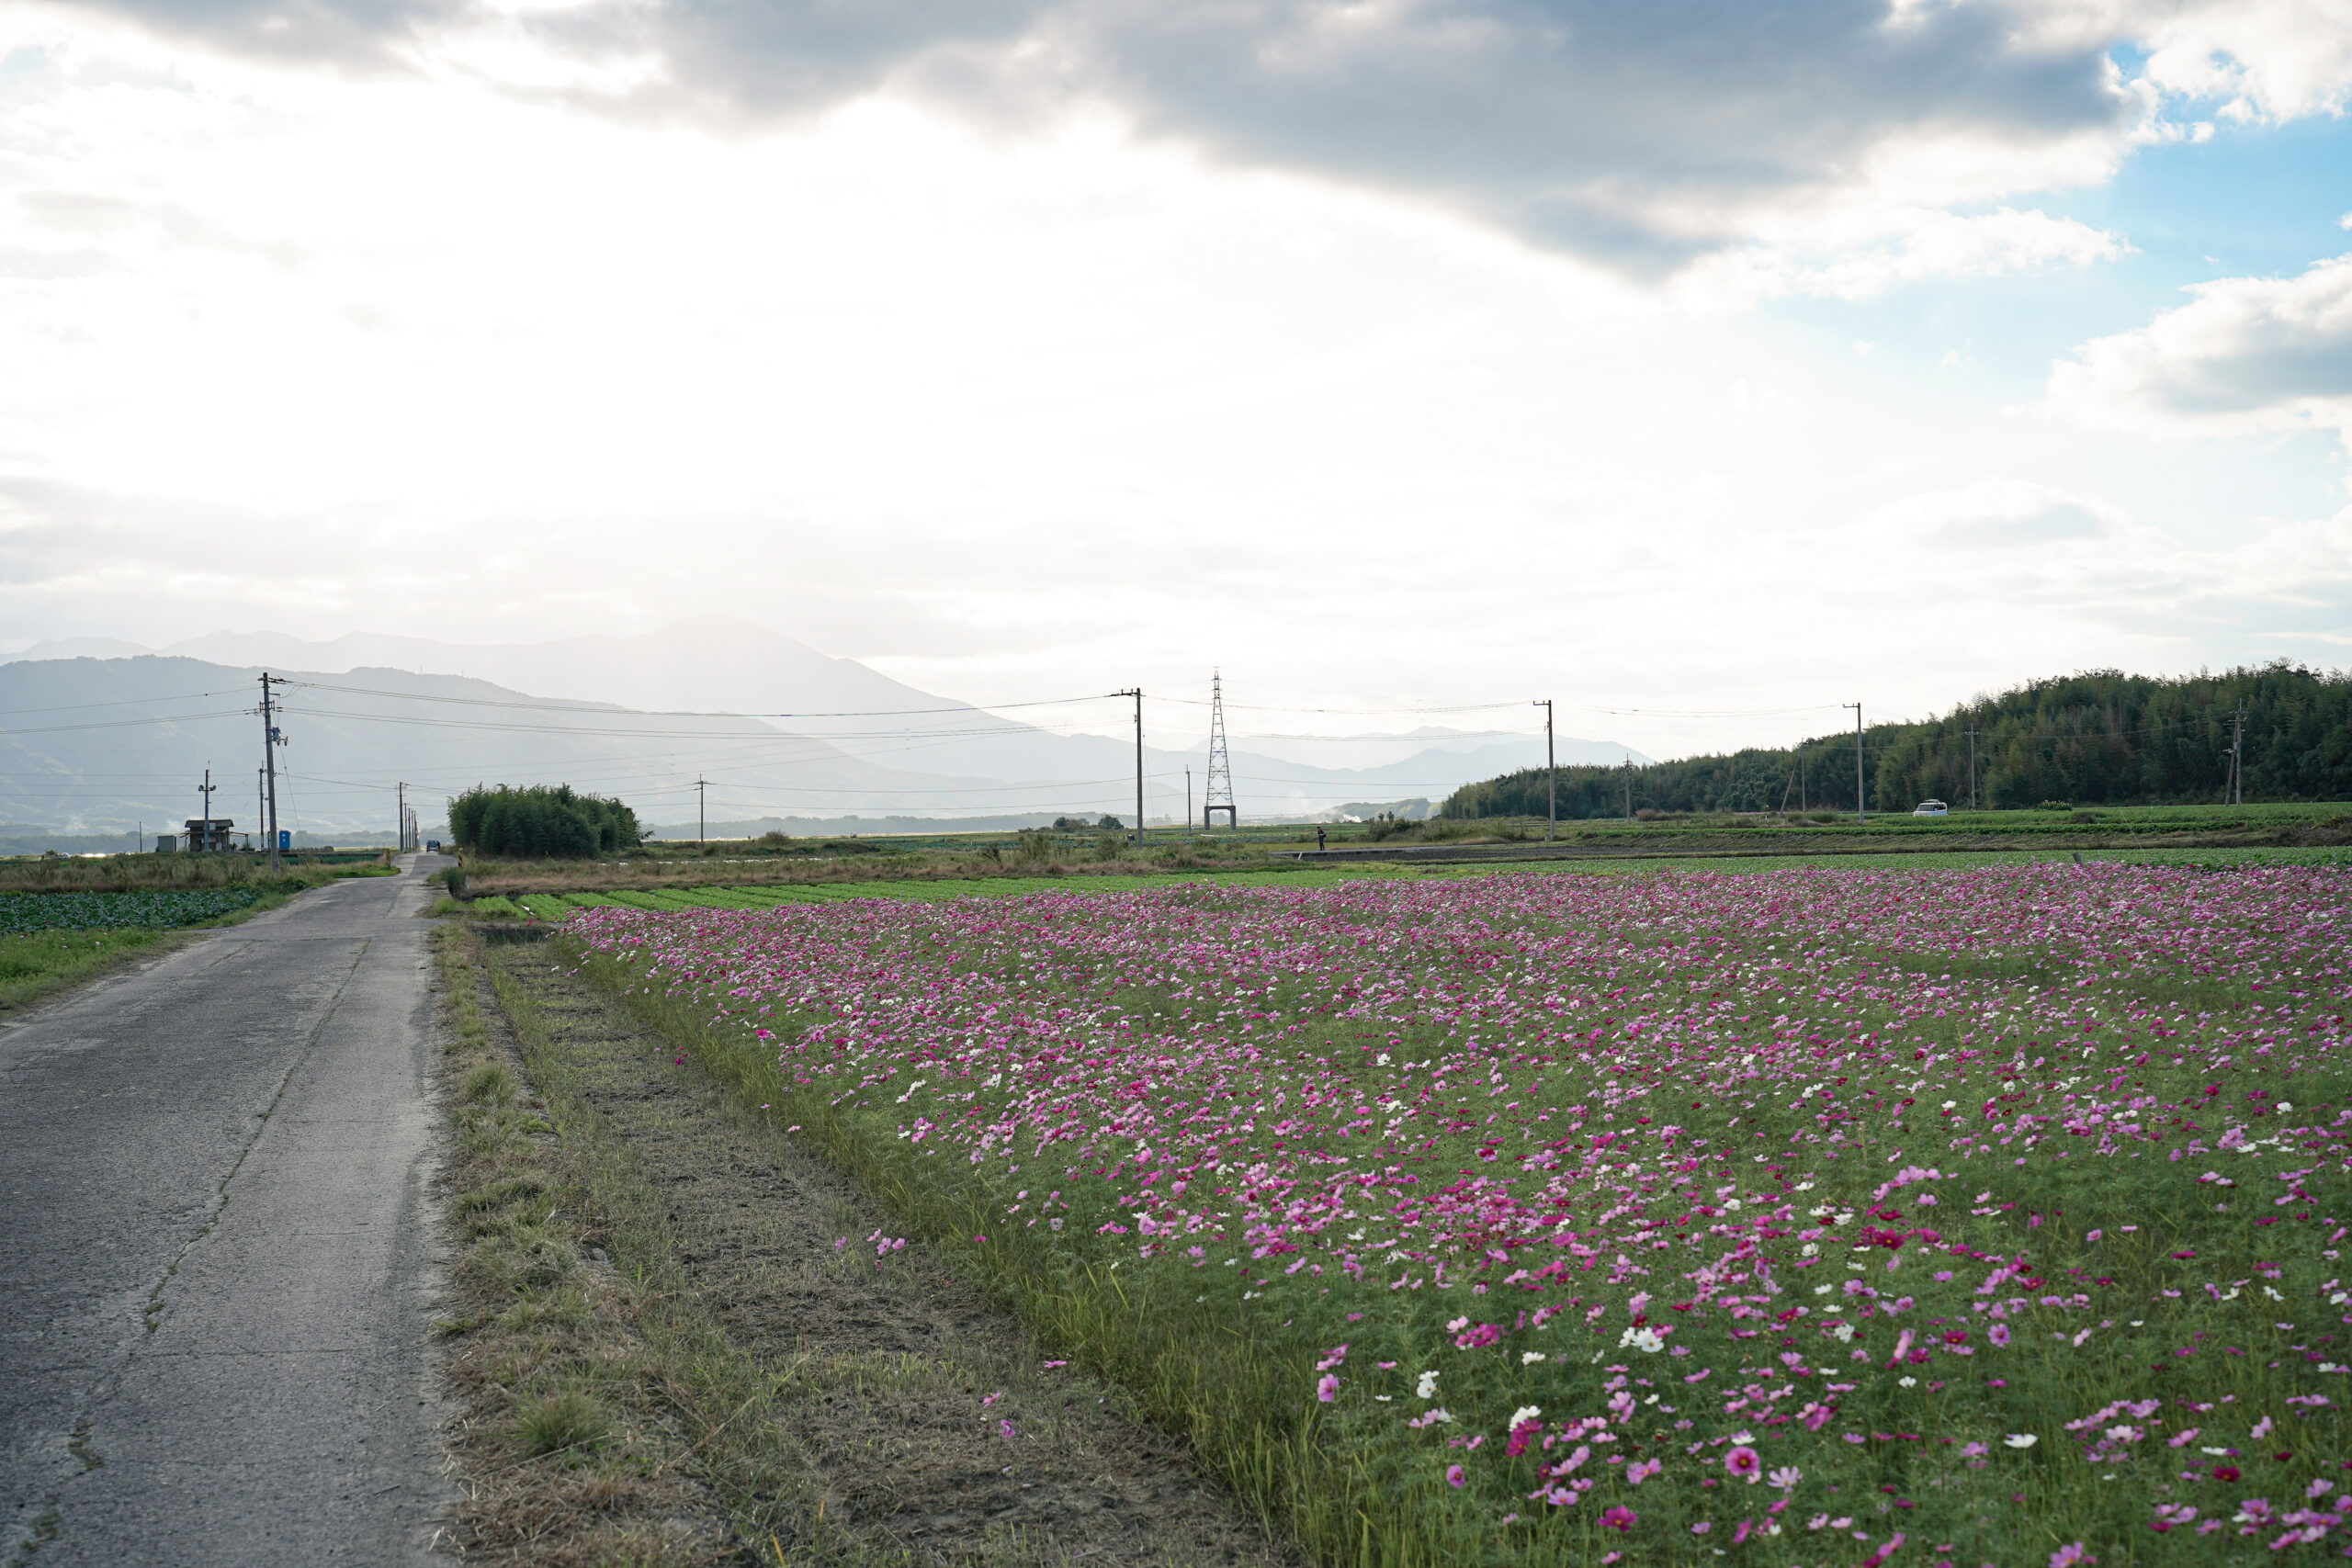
(487,1084)
(559,1423)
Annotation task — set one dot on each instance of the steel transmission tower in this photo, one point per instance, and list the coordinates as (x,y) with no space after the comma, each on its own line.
(1219,795)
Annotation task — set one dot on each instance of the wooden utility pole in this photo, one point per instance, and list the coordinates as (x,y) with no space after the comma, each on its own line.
(270,742)
(1551,775)
(1137,694)
(1971,770)
(1862,812)
(2237,757)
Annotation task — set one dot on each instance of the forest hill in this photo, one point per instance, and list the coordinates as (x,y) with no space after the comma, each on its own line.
(2099,738)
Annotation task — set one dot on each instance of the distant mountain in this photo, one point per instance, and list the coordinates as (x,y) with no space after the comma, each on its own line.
(94,745)
(861,742)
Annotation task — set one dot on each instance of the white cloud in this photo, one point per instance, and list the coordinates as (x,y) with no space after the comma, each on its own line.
(2267,59)
(1824,147)
(1863,251)
(2246,354)
(1998,512)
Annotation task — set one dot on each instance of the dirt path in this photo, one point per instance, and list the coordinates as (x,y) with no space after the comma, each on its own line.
(931,1421)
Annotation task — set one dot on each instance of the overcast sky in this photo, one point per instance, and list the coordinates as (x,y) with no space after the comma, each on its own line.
(1723,361)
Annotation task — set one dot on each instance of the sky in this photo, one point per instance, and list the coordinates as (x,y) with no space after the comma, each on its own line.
(1697,364)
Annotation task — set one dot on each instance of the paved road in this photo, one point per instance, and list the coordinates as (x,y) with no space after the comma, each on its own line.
(218,1253)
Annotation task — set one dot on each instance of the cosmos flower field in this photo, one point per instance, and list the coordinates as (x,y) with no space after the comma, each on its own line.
(1827,1216)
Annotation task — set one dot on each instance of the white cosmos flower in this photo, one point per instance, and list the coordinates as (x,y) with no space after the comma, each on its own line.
(1525,1413)
(2020,1440)
(1427,1386)
(1529,1358)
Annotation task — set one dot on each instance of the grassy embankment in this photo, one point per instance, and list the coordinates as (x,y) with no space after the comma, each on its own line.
(670,1352)
(570,1445)
(66,921)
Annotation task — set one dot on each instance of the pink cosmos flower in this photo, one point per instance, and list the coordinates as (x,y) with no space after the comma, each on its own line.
(1329,1390)
(2068,1555)
(1620,1518)
(1742,1462)
(1453,1476)
(1787,1477)
(1642,1470)
(1998,1334)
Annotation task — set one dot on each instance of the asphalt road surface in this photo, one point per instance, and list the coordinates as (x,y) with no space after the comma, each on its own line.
(218,1251)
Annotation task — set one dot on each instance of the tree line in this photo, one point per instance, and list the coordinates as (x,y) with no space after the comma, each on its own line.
(541,822)
(2097,738)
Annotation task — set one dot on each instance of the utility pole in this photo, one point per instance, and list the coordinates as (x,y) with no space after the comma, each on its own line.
(702,815)
(1551,775)
(2237,756)
(1629,786)
(1137,694)
(1971,770)
(270,741)
(207,840)
(1188,800)
(399,822)
(1862,812)
(261,804)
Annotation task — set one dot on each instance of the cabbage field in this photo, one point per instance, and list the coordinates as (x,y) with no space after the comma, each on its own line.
(23,913)
(1817,1216)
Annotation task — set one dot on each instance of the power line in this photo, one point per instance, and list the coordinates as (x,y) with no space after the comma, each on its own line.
(701,713)
(114,702)
(127,723)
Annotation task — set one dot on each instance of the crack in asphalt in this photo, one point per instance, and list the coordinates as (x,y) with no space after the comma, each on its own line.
(48,1528)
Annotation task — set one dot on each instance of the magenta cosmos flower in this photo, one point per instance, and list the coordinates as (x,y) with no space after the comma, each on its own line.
(1620,1518)
(1742,1462)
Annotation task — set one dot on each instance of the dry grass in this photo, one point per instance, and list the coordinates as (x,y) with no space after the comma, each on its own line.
(566,1452)
(125,873)
(485,878)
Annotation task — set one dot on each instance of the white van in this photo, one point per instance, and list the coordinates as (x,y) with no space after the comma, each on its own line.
(1931,808)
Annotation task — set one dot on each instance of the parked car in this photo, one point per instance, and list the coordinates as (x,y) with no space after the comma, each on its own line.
(1931,808)
(433,846)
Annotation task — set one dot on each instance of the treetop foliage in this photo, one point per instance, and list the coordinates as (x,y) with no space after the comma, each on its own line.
(541,822)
